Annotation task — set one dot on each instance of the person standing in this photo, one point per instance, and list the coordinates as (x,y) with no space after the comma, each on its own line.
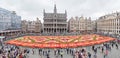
(67,50)
(105,53)
(20,55)
(80,55)
(116,46)
(39,51)
(47,55)
(102,49)
(93,48)
(89,55)
(61,54)
(33,51)
(95,56)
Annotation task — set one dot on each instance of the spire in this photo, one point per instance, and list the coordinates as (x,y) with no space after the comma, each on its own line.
(65,12)
(43,10)
(55,9)
(37,18)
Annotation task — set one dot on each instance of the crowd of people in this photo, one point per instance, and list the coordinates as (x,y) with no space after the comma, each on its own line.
(10,51)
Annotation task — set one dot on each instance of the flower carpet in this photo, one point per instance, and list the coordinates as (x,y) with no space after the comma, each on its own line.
(59,41)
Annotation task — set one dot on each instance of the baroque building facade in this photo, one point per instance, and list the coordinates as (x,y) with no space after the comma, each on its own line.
(55,23)
(32,26)
(109,23)
(80,24)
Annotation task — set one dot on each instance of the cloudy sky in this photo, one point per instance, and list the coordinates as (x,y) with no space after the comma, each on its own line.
(30,9)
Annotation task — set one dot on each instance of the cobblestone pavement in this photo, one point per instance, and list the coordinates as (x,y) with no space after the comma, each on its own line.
(114,53)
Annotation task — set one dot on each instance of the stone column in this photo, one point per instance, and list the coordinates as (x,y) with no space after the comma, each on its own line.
(52,30)
(60,30)
(47,30)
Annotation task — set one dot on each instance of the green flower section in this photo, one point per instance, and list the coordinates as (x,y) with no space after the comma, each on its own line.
(23,39)
(73,40)
(45,41)
(33,41)
(94,38)
(56,40)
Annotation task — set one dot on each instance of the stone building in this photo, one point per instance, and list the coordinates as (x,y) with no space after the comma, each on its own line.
(38,26)
(55,23)
(80,24)
(24,26)
(109,23)
(32,26)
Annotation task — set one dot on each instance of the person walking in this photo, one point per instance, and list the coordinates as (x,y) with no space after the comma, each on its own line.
(105,53)
(102,49)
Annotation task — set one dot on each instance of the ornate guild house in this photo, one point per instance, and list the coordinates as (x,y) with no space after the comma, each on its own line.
(55,23)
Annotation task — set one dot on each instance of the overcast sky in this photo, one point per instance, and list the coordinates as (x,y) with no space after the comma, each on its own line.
(30,9)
